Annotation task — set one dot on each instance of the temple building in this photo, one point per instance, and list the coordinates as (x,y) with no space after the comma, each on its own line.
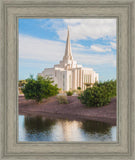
(68,75)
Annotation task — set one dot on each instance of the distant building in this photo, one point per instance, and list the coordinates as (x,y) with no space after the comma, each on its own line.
(68,75)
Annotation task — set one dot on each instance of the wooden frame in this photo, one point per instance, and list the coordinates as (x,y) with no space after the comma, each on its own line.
(124,11)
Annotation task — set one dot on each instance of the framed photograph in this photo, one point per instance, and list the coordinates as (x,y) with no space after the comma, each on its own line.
(67,79)
(77,103)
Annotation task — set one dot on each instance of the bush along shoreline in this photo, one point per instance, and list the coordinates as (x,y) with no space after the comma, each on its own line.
(39,88)
(99,95)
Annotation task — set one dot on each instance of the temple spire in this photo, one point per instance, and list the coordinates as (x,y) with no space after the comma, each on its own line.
(68,52)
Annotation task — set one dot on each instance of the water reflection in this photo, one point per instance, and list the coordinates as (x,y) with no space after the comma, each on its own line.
(95,127)
(38,124)
(44,129)
(70,130)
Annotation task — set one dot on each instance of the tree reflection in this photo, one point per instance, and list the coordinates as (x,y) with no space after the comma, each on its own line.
(38,124)
(95,127)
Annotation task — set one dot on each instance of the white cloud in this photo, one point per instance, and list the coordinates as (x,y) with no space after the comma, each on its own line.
(96,59)
(88,28)
(113,45)
(53,51)
(40,49)
(100,48)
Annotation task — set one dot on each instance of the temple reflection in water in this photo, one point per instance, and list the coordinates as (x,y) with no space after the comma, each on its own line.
(44,129)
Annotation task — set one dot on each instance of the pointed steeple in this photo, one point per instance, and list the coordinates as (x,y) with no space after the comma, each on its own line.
(68,52)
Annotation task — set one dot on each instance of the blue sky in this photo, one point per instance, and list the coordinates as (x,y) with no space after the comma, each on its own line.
(42,44)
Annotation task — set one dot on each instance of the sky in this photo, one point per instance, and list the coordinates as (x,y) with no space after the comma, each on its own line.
(42,44)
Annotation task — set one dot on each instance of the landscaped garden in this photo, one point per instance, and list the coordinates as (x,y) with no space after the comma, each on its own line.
(96,95)
(41,97)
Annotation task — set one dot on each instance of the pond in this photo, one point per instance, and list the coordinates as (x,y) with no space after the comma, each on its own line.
(43,129)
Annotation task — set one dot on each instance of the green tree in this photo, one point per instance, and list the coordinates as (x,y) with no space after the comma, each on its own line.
(39,88)
(110,86)
(21,83)
(99,95)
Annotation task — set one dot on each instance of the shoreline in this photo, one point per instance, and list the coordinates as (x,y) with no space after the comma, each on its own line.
(74,110)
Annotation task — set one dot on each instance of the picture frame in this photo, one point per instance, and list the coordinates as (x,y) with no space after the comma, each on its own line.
(123,11)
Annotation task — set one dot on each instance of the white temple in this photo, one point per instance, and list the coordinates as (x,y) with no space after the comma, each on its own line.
(68,75)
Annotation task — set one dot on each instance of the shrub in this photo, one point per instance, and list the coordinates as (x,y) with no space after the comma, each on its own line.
(69,93)
(39,88)
(110,86)
(62,99)
(79,88)
(99,95)
(22,83)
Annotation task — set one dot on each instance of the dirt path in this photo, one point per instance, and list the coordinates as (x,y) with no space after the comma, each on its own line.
(74,110)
